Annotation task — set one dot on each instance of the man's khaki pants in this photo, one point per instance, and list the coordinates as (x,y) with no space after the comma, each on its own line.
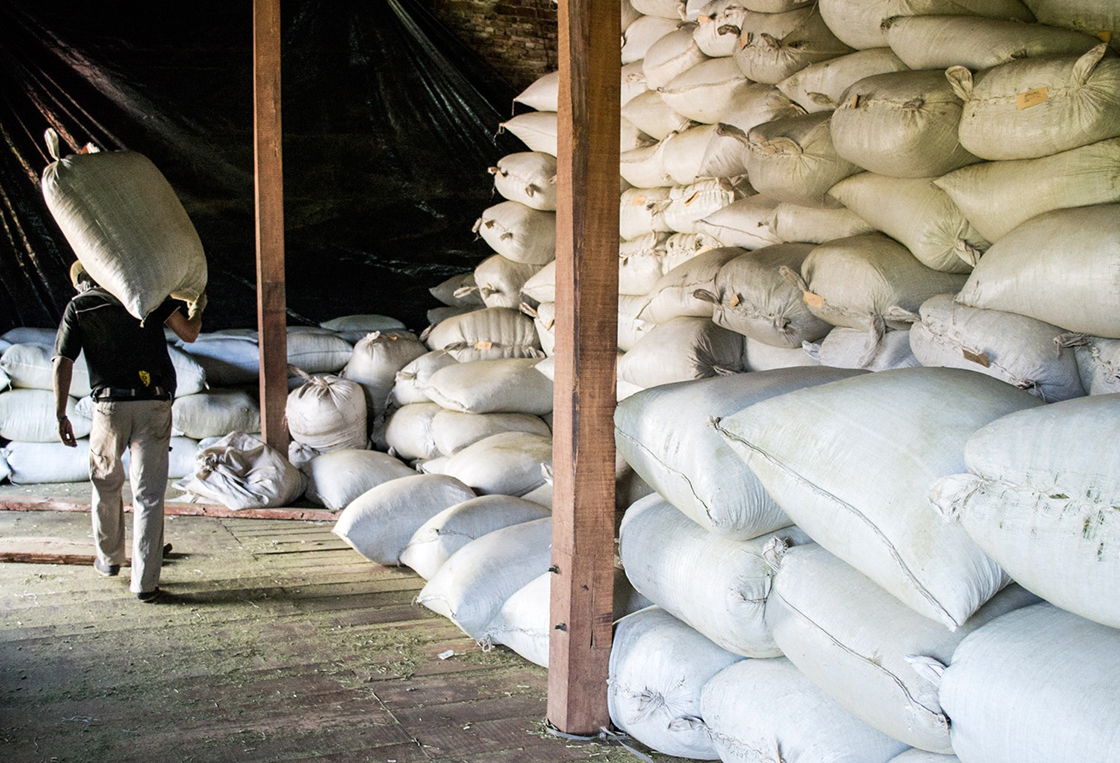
(145,427)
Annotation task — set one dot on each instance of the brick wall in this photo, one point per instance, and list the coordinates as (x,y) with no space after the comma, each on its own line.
(516,37)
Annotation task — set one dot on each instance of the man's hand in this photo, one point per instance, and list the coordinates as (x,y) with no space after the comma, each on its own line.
(66,433)
(194,309)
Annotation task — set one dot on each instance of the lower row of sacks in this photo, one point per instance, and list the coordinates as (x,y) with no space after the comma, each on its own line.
(834,565)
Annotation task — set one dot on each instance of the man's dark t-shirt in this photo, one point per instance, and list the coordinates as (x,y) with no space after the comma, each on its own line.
(120,353)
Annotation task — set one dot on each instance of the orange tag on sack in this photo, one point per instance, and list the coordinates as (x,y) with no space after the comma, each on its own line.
(734,301)
(1033,97)
(483,344)
(549,325)
(812,300)
(708,19)
(691,198)
(1105,35)
(638,201)
(976,357)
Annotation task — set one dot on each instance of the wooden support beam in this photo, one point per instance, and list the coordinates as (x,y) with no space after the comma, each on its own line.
(586,350)
(271,297)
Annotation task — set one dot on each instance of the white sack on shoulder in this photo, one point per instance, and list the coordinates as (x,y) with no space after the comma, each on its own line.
(126,225)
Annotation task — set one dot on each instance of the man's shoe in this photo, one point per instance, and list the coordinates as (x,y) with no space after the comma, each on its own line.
(106,570)
(149,596)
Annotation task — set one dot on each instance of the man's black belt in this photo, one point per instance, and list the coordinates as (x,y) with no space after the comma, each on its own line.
(127,393)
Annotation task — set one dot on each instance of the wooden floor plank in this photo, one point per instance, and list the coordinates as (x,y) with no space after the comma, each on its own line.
(275,643)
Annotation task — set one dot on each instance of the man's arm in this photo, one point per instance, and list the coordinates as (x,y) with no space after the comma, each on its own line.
(188,328)
(63,375)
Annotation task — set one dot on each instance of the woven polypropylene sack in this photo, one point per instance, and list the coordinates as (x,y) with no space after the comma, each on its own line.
(673,295)
(508,463)
(410,381)
(658,667)
(794,160)
(662,551)
(1037,684)
(938,42)
(528,177)
(707,91)
(454,430)
(215,413)
(505,385)
(750,297)
(818,87)
(241,472)
(439,537)
(408,431)
(666,435)
(867,501)
(769,705)
(901,124)
(494,332)
(378,523)
(327,413)
(375,362)
(679,350)
(519,233)
(998,197)
(126,225)
(772,46)
(471,586)
(1059,267)
(1043,505)
(1013,348)
(338,477)
(1039,106)
(863,647)
(31,366)
(860,23)
(855,281)
(918,214)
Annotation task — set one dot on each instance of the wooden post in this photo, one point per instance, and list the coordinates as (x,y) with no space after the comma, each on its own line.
(586,349)
(271,297)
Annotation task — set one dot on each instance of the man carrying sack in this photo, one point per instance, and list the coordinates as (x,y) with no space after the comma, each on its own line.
(133,384)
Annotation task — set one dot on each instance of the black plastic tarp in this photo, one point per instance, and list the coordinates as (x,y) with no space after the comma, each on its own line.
(389,126)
